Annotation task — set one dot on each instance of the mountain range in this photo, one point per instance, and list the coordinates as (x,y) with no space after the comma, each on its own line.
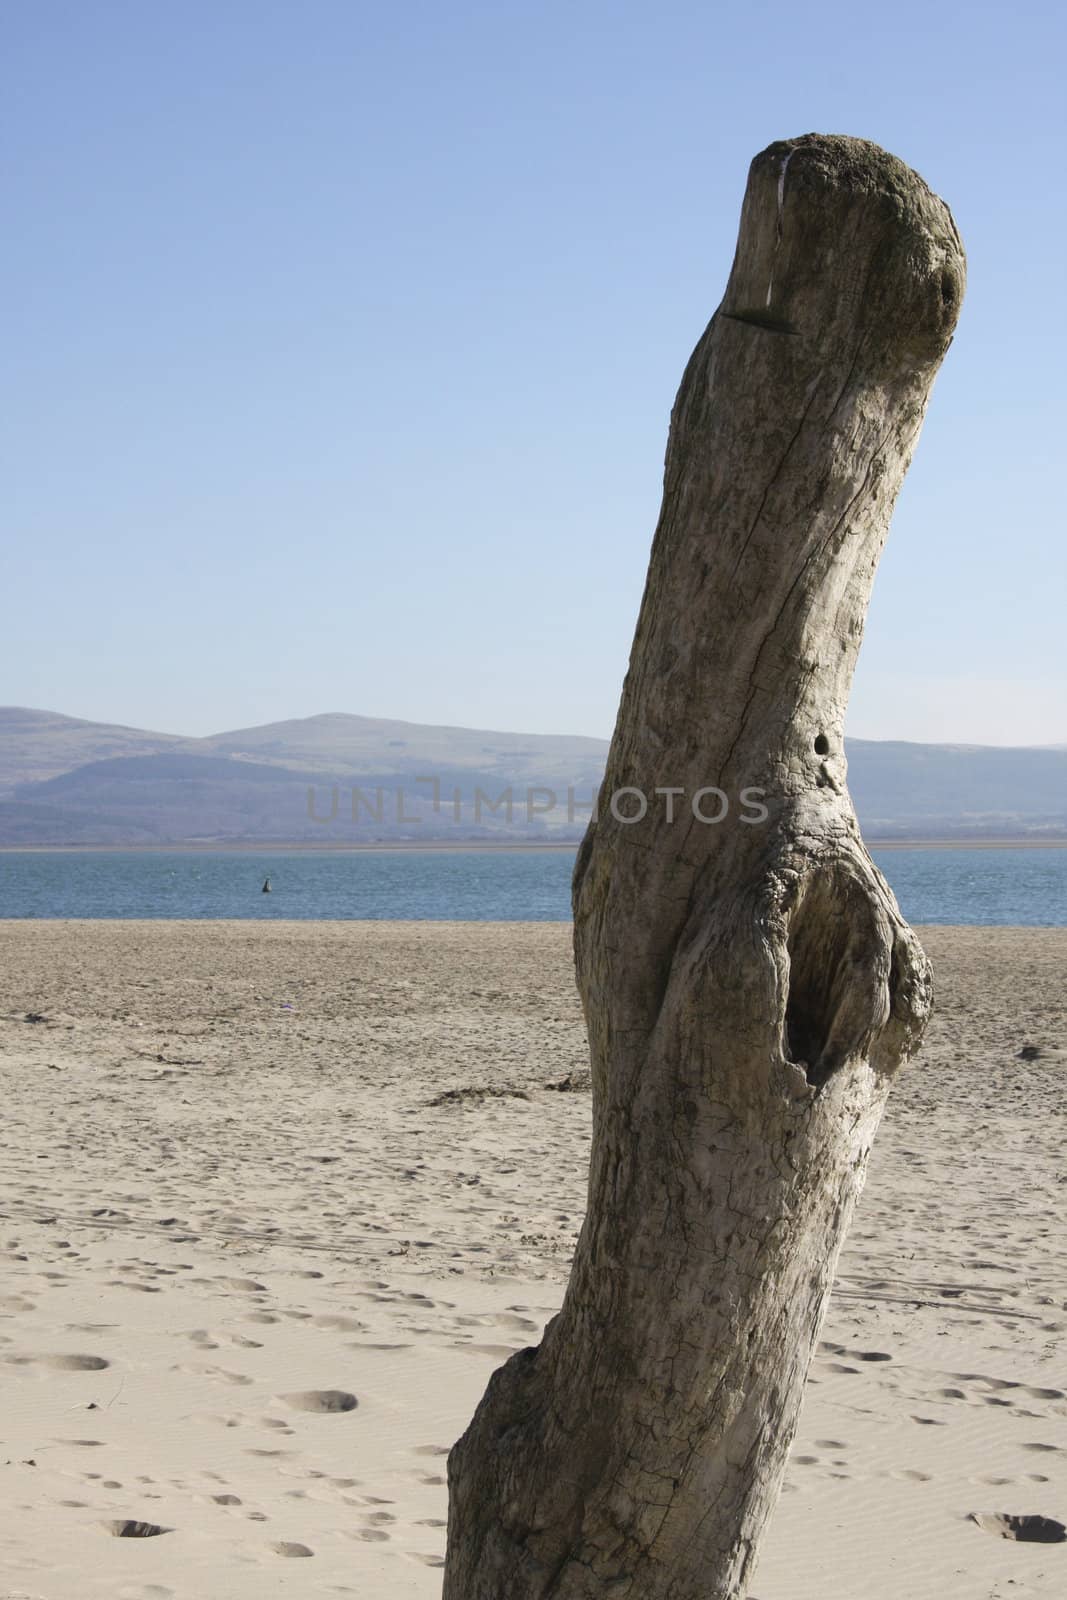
(344,779)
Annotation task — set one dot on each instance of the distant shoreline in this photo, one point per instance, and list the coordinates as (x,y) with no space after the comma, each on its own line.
(460,846)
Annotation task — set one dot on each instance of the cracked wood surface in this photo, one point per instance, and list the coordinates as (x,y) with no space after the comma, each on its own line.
(749,988)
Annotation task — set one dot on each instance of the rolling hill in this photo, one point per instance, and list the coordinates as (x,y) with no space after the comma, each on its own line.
(335,778)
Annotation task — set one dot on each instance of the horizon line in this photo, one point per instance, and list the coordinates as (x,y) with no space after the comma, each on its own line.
(460,727)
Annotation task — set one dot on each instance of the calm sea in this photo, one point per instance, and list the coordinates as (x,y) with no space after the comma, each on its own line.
(947,886)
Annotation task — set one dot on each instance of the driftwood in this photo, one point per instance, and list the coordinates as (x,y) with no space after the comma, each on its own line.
(749,986)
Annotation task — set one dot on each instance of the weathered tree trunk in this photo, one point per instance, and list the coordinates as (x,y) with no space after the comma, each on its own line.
(749,986)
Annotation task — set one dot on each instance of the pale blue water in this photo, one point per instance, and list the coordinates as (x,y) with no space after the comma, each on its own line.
(944,886)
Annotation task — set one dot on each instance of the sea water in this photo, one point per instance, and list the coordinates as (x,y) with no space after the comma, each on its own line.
(983,886)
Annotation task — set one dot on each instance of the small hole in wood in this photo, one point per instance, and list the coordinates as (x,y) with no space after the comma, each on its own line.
(822,745)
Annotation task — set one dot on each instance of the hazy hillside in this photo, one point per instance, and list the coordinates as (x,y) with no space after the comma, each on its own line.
(180,797)
(35,745)
(944,790)
(357,746)
(338,779)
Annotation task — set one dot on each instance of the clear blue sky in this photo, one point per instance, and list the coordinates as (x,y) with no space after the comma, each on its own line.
(340,342)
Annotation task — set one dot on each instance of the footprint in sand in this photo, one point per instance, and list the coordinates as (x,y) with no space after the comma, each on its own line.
(65,1363)
(287,1547)
(124,1528)
(321,1401)
(237,1379)
(1028,1530)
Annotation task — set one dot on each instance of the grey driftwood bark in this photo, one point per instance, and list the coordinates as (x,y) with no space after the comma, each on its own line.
(749,988)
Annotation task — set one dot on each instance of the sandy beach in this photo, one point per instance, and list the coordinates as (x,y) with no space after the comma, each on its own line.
(276,1200)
